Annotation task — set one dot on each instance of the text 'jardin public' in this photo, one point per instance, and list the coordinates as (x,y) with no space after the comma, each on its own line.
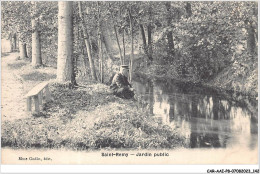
(138,154)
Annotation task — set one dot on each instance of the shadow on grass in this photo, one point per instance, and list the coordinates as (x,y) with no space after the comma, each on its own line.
(17,65)
(37,76)
(5,54)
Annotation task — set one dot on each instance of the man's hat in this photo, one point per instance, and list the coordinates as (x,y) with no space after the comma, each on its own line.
(124,66)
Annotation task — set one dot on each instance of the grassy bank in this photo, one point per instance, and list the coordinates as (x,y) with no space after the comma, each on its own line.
(89,117)
(238,77)
(234,78)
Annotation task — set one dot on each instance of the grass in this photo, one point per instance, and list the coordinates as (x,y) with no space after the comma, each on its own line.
(29,76)
(16,65)
(4,54)
(239,79)
(88,118)
(37,76)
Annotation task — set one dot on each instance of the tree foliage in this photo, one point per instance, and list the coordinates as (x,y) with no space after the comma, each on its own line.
(198,39)
(209,39)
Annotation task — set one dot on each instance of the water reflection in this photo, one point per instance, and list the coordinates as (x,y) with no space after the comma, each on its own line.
(204,117)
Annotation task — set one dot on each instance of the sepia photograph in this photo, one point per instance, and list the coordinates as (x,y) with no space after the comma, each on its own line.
(129,82)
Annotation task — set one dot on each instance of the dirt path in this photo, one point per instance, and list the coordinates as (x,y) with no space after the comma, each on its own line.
(13,102)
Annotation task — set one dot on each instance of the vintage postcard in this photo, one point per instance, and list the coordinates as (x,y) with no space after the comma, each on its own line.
(129,82)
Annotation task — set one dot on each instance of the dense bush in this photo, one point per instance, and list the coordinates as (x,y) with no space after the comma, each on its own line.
(207,40)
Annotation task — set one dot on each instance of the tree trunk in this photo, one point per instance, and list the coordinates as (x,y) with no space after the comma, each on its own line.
(169,33)
(132,45)
(251,39)
(149,35)
(11,45)
(108,48)
(10,38)
(188,9)
(100,45)
(100,60)
(18,42)
(123,46)
(87,43)
(22,50)
(74,57)
(150,48)
(81,48)
(144,40)
(117,39)
(36,45)
(14,42)
(118,44)
(65,41)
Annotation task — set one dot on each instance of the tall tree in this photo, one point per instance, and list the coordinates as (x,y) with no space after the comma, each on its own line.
(149,33)
(143,39)
(65,49)
(132,44)
(100,46)
(251,38)
(87,43)
(12,21)
(22,50)
(123,40)
(146,20)
(18,19)
(188,9)
(36,44)
(12,40)
(115,31)
(169,33)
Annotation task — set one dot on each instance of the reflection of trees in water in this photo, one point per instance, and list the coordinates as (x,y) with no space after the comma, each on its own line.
(145,95)
(161,104)
(224,109)
(253,125)
(206,120)
(140,90)
(206,140)
(151,97)
(171,113)
(208,133)
(254,131)
(215,108)
(191,105)
(194,106)
(252,107)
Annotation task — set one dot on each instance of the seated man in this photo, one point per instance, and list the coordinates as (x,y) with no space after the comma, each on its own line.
(120,85)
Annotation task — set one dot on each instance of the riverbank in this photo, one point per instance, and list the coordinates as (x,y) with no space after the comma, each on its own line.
(86,118)
(231,79)
(239,78)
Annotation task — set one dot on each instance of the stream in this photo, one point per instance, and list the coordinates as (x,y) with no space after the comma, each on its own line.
(205,117)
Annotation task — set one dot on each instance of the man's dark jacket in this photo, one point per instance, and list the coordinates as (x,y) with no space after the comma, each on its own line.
(119,81)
